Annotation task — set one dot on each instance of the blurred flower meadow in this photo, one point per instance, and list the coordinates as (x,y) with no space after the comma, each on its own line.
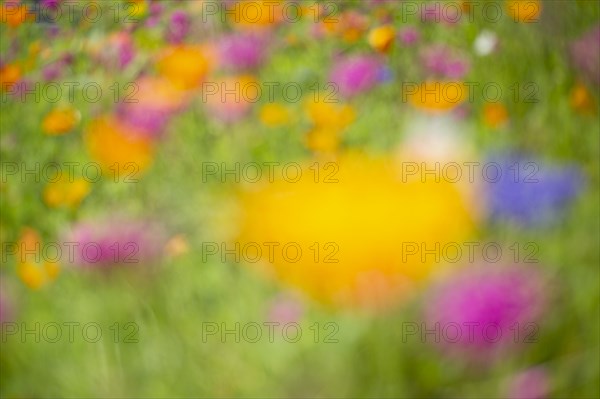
(285,198)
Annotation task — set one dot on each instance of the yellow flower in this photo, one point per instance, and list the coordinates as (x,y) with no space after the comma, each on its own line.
(60,121)
(14,15)
(438,96)
(467,6)
(66,193)
(274,115)
(351,224)
(494,115)
(28,244)
(137,8)
(323,140)
(118,151)
(178,245)
(582,101)
(328,114)
(524,10)
(29,253)
(382,37)
(32,275)
(256,15)
(185,66)
(9,75)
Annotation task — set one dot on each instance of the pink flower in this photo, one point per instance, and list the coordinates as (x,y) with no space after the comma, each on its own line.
(409,35)
(119,50)
(241,51)
(442,61)
(356,74)
(487,309)
(149,105)
(179,27)
(285,310)
(147,121)
(114,241)
(585,53)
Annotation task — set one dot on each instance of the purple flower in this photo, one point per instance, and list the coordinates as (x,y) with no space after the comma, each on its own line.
(533,383)
(442,61)
(52,71)
(50,3)
(356,74)
(52,31)
(179,27)
(479,309)
(527,191)
(585,53)
(115,241)
(239,51)
(409,35)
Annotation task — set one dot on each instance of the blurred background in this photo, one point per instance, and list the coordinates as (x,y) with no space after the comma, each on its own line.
(299,199)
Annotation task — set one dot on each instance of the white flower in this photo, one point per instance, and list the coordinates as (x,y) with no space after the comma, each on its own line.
(485,43)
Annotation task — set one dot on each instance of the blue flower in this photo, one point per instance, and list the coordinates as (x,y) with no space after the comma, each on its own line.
(527,191)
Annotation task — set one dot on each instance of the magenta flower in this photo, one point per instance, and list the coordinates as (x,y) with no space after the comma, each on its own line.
(115,241)
(147,121)
(442,61)
(356,74)
(179,27)
(409,35)
(156,9)
(240,52)
(50,3)
(486,310)
(585,54)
